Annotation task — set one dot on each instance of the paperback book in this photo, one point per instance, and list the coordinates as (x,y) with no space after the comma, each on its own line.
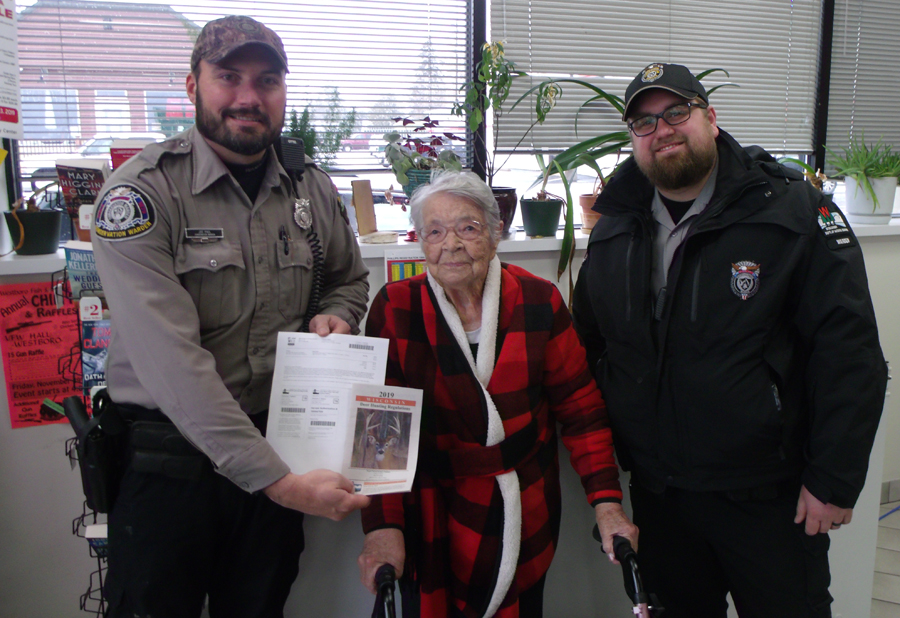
(81,270)
(80,181)
(95,332)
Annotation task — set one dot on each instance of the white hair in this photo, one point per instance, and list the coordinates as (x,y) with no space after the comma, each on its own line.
(466,185)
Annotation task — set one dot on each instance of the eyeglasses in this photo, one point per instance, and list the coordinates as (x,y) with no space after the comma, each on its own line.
(677,114)
(465,230)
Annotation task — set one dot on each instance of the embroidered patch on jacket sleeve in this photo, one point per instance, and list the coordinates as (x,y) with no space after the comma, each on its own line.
(834,228)
(124,212)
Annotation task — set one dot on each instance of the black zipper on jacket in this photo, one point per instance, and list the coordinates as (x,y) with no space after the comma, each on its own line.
(695,291)
(628,255)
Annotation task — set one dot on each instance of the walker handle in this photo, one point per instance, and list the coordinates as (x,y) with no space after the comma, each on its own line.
(622,548)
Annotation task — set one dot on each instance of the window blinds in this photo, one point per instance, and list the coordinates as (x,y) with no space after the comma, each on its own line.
(92,68)
(769,47)
(865,73)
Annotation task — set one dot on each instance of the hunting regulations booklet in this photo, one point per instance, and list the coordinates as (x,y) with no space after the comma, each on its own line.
(329,409)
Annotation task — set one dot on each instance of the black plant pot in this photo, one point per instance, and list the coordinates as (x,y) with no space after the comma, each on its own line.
(540,218)
(41,230)
(506,200)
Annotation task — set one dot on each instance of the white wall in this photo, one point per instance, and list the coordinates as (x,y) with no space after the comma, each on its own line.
(882,260)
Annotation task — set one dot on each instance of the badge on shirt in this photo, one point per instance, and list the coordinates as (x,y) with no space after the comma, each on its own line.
(745,279)
(302,214)
(204,234)
(123,213)
(831,222)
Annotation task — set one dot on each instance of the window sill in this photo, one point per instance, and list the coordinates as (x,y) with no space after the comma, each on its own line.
(514,243)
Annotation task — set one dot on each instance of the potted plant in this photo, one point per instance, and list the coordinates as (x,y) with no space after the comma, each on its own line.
(540,214)
(816,178)
(587,200)
(540,217)
(414,155)
(33,230)
(489,91)
(870,180)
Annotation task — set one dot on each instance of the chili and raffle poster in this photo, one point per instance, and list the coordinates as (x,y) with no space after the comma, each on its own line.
(38,340)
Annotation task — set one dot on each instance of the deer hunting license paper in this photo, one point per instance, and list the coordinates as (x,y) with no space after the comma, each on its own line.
(329,409)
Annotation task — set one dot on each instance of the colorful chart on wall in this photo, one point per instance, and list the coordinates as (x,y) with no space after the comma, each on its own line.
(403,264)
(38,343)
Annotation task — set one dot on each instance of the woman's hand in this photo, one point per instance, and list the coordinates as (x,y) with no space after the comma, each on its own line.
(383,546)
(612,521)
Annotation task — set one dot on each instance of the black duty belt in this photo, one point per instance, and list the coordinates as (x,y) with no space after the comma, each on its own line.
(157,447)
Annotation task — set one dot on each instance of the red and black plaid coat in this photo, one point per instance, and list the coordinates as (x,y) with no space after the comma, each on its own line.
(453,519)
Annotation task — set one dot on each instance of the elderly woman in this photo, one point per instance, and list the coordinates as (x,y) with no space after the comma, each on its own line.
(494,351)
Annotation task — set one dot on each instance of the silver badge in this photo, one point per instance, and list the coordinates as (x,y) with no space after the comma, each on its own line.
(303,214)
(745,279)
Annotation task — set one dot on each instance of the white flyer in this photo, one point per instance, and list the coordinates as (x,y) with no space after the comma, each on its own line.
(10,97)
(384,438)
(311,407)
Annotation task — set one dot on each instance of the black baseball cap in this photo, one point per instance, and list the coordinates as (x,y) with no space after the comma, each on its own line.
(672,77)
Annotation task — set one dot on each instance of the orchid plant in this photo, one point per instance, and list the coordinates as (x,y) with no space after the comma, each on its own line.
(490,89)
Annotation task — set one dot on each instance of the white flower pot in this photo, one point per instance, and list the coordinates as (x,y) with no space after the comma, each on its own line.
(859,206)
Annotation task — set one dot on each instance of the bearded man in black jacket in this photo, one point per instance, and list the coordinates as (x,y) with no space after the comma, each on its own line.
(724,305)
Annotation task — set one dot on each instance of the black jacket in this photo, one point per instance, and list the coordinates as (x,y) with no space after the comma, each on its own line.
(763,363)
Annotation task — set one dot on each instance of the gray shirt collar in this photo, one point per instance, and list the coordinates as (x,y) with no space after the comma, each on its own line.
(668,235)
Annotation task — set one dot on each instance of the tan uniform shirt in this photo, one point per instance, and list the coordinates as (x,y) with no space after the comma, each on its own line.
(200,281)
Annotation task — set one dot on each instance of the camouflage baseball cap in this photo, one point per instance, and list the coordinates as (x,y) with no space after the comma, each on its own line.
(221,37)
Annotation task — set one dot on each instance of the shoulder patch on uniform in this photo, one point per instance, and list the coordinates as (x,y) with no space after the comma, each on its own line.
(124,212)
(833,227)
(340,203)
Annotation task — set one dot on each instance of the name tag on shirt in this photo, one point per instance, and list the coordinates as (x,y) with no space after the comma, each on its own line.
(204,234)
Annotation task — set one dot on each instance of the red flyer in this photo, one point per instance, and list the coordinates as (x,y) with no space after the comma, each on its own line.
(40,345)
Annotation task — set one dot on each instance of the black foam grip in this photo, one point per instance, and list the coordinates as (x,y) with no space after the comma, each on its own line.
(384,576)
(623,550)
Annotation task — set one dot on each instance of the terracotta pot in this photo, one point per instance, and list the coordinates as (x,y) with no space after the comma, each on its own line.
(541,217)
(588,217)
(506,200)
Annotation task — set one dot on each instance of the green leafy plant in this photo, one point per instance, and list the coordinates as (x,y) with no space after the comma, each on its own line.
(890,166)
(862,162)
(489,90)
(300,125)
(419,148)
(323,143)
(815,177)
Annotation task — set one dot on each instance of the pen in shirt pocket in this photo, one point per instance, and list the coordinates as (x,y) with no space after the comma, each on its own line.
(285,238)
